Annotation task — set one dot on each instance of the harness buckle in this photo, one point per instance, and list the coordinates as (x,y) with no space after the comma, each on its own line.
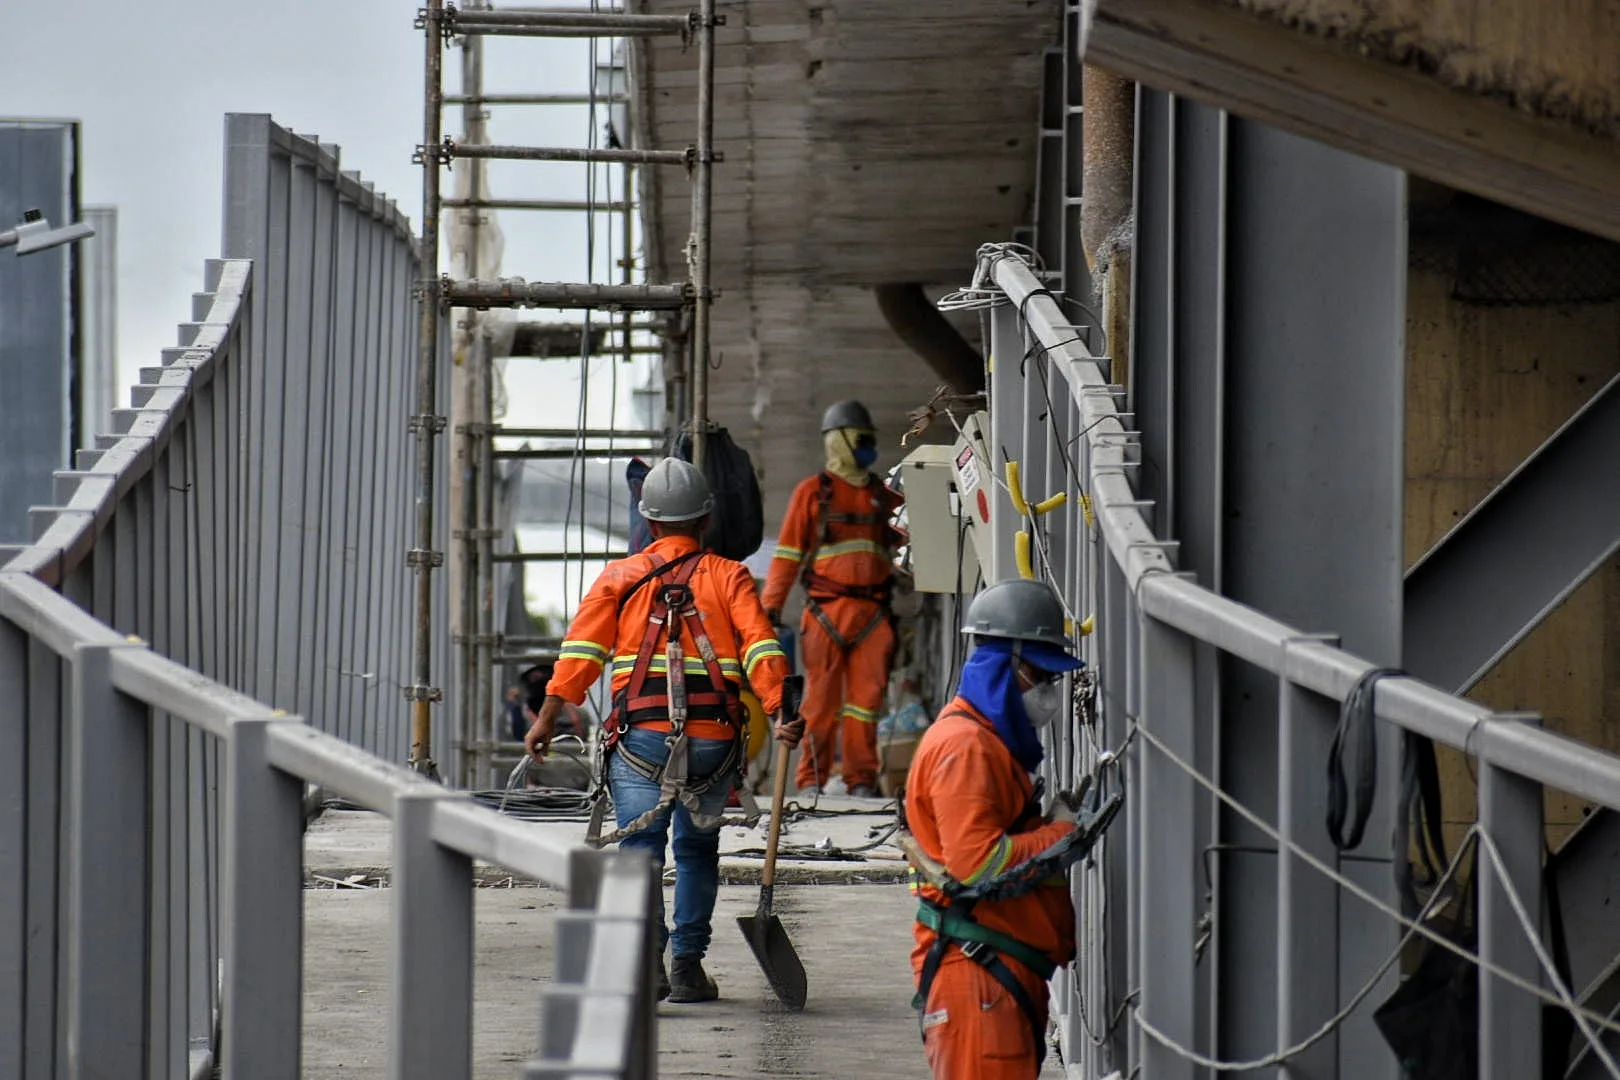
(972,949)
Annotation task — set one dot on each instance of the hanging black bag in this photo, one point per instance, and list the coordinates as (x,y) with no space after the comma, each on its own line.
(737,525)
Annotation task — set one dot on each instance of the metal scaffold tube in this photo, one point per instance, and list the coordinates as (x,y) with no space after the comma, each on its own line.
(473,434)
(515,292)
(702,203)
(427,422)
(617,22)
(592,156)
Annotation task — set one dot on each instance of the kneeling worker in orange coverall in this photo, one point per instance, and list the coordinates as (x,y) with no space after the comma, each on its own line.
(836,541)
(995,919)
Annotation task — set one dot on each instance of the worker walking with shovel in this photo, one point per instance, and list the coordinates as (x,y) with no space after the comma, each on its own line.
(682,628)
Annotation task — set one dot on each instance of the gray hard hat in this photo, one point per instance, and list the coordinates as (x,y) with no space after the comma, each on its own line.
(1021,610)
(675,490)
(846,414)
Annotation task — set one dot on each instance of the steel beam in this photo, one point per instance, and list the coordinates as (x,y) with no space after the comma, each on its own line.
(1264,70)
(1518,554)
(1313,510)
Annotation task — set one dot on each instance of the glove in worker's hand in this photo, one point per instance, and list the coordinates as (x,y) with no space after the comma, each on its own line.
(1066,807)
(789,732)
(774,615)
(542,727)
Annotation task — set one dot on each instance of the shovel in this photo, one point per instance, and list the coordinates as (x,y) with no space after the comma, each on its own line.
(764,930)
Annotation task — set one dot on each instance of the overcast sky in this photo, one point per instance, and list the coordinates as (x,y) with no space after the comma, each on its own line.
(151,82)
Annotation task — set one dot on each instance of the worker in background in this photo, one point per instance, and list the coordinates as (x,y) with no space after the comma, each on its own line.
(974,820)
(682,628)
(836,541)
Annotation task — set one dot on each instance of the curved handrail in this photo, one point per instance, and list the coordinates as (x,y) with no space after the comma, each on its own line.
(1547,757)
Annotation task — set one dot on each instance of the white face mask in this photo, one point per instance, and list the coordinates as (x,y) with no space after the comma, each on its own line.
(1043,704)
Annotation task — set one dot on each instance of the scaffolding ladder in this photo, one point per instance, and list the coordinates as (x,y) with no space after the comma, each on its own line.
(683,306)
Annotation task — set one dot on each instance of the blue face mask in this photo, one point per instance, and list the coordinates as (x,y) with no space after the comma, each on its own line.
(865,452)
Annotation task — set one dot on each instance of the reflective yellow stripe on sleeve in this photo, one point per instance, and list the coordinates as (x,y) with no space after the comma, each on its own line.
(580,649)
(999,857)
(791,554)
(759,651)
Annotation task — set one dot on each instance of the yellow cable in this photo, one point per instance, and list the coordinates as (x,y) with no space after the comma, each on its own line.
(1085,510)
(1026,570)
(1015,490)
(1046,506)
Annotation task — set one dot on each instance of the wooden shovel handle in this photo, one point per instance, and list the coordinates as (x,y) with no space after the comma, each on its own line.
(778,796)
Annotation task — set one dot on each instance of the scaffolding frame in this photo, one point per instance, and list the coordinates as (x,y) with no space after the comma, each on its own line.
(482,649)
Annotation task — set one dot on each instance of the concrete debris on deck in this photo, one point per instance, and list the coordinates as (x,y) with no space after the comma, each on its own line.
(354,847)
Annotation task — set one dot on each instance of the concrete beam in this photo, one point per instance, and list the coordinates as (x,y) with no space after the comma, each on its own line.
(1210,51)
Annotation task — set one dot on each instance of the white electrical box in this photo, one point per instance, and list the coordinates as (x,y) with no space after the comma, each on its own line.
(976,486)
(943,558)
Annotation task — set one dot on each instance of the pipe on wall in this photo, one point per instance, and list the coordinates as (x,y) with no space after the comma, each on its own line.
(918,323)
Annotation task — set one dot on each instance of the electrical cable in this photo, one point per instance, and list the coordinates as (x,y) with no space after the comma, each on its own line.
(1356,890)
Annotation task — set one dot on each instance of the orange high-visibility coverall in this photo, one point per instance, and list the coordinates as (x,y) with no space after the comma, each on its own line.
(848,572)
(732,617)
(964,793)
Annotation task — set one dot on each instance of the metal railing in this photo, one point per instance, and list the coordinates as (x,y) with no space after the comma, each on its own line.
(1135,999)
(151,828)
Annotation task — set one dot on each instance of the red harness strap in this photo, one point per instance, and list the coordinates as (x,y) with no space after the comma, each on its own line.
(674,607)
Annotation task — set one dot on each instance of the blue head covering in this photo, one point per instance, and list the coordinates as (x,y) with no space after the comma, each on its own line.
(990,684)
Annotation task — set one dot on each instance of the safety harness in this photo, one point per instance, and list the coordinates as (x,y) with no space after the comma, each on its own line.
(646,697)
(955,927)
(818,587)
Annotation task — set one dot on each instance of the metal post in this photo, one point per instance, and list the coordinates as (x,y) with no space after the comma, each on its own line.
(1006,385)
(702,200)
(13,847)
(473,425)
(109,865)
(263,920)
(433,948)
(1167,805)
(484,624)
(1510,813)
(1307,902)
(427,422)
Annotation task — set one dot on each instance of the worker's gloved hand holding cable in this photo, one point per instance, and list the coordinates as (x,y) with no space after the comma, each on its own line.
(544,725)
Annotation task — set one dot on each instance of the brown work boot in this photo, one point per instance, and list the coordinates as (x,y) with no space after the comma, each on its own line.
(688,982)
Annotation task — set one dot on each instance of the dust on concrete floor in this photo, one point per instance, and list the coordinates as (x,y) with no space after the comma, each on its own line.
(855,942)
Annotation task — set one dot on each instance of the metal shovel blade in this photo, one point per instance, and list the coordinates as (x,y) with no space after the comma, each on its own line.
(776,956)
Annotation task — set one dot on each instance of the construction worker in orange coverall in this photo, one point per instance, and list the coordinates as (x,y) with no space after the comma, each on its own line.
(836,541)
(673,589)
(973,814)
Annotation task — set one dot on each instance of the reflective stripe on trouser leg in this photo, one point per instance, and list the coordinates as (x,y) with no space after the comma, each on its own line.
(823,699)
(866,681)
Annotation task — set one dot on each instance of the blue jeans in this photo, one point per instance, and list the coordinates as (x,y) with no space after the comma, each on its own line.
(697,851)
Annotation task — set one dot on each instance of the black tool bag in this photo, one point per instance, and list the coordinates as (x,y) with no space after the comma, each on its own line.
(1431,1021)
(737,526)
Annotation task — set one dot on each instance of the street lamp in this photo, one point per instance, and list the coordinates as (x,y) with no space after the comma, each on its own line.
(36,234)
